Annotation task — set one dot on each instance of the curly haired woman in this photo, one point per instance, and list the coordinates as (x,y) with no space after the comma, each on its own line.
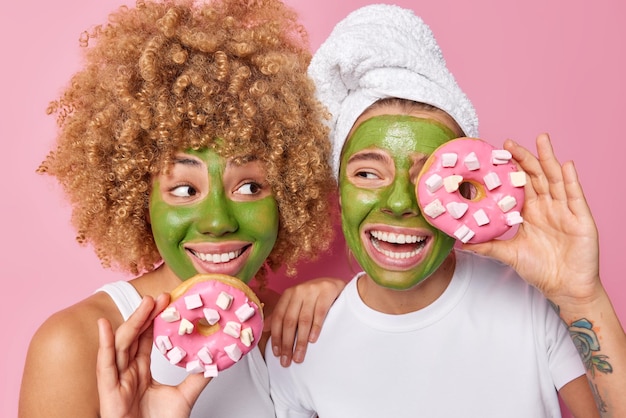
(190,142)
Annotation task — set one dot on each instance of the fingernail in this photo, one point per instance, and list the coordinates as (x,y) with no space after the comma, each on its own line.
(298,356)
(275,350)
(284,361)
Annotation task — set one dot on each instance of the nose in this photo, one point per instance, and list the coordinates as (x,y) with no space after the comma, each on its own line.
(216,216)
(401,199)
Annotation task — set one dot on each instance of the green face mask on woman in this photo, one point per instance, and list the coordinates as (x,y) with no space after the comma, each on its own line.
(210,215)
(381,220)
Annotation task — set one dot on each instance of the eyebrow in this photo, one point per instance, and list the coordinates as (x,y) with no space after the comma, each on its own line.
(186,161)
(367,156)
(192,162)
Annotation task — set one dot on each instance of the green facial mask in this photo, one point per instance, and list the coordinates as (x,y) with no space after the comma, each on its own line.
(207,218)
(381,220)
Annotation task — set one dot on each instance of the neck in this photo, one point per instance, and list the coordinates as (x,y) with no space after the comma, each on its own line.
(397,302)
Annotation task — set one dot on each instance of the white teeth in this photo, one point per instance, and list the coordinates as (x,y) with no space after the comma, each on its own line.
(218,258)
(396,238)
(397,255)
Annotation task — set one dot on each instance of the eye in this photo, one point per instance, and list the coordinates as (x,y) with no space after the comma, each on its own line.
(249,188)
(183,191)
(366,175)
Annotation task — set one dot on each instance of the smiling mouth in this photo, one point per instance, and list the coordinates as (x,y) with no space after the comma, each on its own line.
(397,246)
(219,258)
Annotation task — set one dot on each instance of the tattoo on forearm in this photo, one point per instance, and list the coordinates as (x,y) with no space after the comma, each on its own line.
(588,346)
(586,341)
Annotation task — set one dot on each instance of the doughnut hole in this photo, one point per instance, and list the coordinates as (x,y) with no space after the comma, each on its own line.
(206,329)
(472,190)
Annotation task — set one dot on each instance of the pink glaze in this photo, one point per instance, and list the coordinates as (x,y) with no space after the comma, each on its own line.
(487,200)
(216,342)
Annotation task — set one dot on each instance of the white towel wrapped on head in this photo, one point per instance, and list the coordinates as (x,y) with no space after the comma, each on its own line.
(381,51)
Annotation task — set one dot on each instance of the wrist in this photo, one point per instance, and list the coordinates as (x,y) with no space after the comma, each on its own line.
(572,307)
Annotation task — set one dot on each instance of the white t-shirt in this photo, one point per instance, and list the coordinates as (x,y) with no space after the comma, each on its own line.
(241,391)
(490,346)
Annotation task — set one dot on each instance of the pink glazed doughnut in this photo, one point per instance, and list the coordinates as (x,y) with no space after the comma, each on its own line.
(212,321)
(471,190)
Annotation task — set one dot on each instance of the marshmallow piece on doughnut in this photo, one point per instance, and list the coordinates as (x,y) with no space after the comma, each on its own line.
(193,301)
(507,203)
(500,156)
(211,315)
(185,327)
(224,300)
(247,336)
(464,234)
(481,218)
(163,343)
(210,370)
(205,355)
(233,329)
(434,208)
(244,312)
(448,159)
(492,180)
(471,161)
(194,366)
(175,355)
(233,352)
(170,314)
(457,209)
(514,218)
(518,178)
(451,183)
(434,183)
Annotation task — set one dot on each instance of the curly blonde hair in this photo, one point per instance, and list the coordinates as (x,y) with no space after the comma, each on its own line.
(167,76)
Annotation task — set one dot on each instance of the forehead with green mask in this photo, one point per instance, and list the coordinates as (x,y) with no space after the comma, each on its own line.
(381,220)
(212,215)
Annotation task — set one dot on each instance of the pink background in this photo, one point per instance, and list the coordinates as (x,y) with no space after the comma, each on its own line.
(528,65)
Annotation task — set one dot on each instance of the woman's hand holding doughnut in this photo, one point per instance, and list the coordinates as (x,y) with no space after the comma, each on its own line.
(125,385)
(556,247)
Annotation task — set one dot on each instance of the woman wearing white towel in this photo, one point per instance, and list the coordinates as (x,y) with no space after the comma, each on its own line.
(446,332)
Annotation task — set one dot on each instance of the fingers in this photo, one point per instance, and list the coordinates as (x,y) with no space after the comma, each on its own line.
(310,319)
(127,335)
(284,325)
(551,167)
(544,171)
(548,177)
(305,322)
(106,369)
(576,197)
(299,316)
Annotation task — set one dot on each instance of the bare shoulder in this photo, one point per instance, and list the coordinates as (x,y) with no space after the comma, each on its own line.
(59,374)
